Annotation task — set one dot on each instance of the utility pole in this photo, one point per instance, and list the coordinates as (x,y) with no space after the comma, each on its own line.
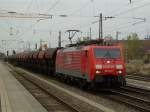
(117,35)
(59,39)
(7,53)
(100,21)
(50,33)
(90,33)
(36,46)
(100,26)
(29,46)
(40,42)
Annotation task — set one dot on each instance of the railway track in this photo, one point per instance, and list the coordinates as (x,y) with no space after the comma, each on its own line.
(134,97)
(75,105)
(145,78)
(49,101)
(137,90)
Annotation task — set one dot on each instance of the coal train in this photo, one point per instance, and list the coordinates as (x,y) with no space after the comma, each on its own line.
(89,65)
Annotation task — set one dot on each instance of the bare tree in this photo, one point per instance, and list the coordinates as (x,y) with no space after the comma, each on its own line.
(134,47)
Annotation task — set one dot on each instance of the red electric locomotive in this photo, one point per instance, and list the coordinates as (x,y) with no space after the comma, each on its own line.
(92,64)
(88,64)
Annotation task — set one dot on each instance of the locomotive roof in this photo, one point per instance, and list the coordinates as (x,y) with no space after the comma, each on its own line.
(78,48)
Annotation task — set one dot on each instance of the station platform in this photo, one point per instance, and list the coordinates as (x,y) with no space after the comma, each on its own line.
(13,96)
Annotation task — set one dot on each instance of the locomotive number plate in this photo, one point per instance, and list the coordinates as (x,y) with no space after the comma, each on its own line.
(109,71)
(108,66)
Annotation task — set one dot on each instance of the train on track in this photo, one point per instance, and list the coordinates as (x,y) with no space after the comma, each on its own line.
(88,64)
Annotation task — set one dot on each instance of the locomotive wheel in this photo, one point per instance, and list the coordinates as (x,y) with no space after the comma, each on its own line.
(124,82)
(67,80)
(83,84)
(90,85)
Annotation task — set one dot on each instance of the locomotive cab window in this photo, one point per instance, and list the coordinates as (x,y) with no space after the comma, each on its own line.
(107,53)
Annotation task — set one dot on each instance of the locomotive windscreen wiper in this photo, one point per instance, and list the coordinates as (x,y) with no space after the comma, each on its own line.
(107,53)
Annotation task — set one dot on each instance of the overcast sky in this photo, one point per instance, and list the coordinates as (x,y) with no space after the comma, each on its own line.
(80,15)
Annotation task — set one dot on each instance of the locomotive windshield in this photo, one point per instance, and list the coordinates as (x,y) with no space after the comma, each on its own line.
(107,53)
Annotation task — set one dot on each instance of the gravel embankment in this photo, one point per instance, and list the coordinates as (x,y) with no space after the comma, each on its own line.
(138,67)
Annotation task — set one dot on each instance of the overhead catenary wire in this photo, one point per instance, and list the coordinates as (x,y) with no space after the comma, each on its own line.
(53,6)
(132,9)
(132,23)
(123,6)
(126,25)
(130,17)
(128,10)
(3,29)
(76,16)
(29,5)
(146,4)
(29,29)
(123,26)
(37,5)
(81,8)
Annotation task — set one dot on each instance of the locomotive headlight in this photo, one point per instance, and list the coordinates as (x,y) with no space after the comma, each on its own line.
(120,72)
(98,71)
(98,66)
(119,66)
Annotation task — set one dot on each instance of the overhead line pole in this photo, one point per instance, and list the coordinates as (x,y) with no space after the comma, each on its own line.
(90,33)
(59,39)
(100,26)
